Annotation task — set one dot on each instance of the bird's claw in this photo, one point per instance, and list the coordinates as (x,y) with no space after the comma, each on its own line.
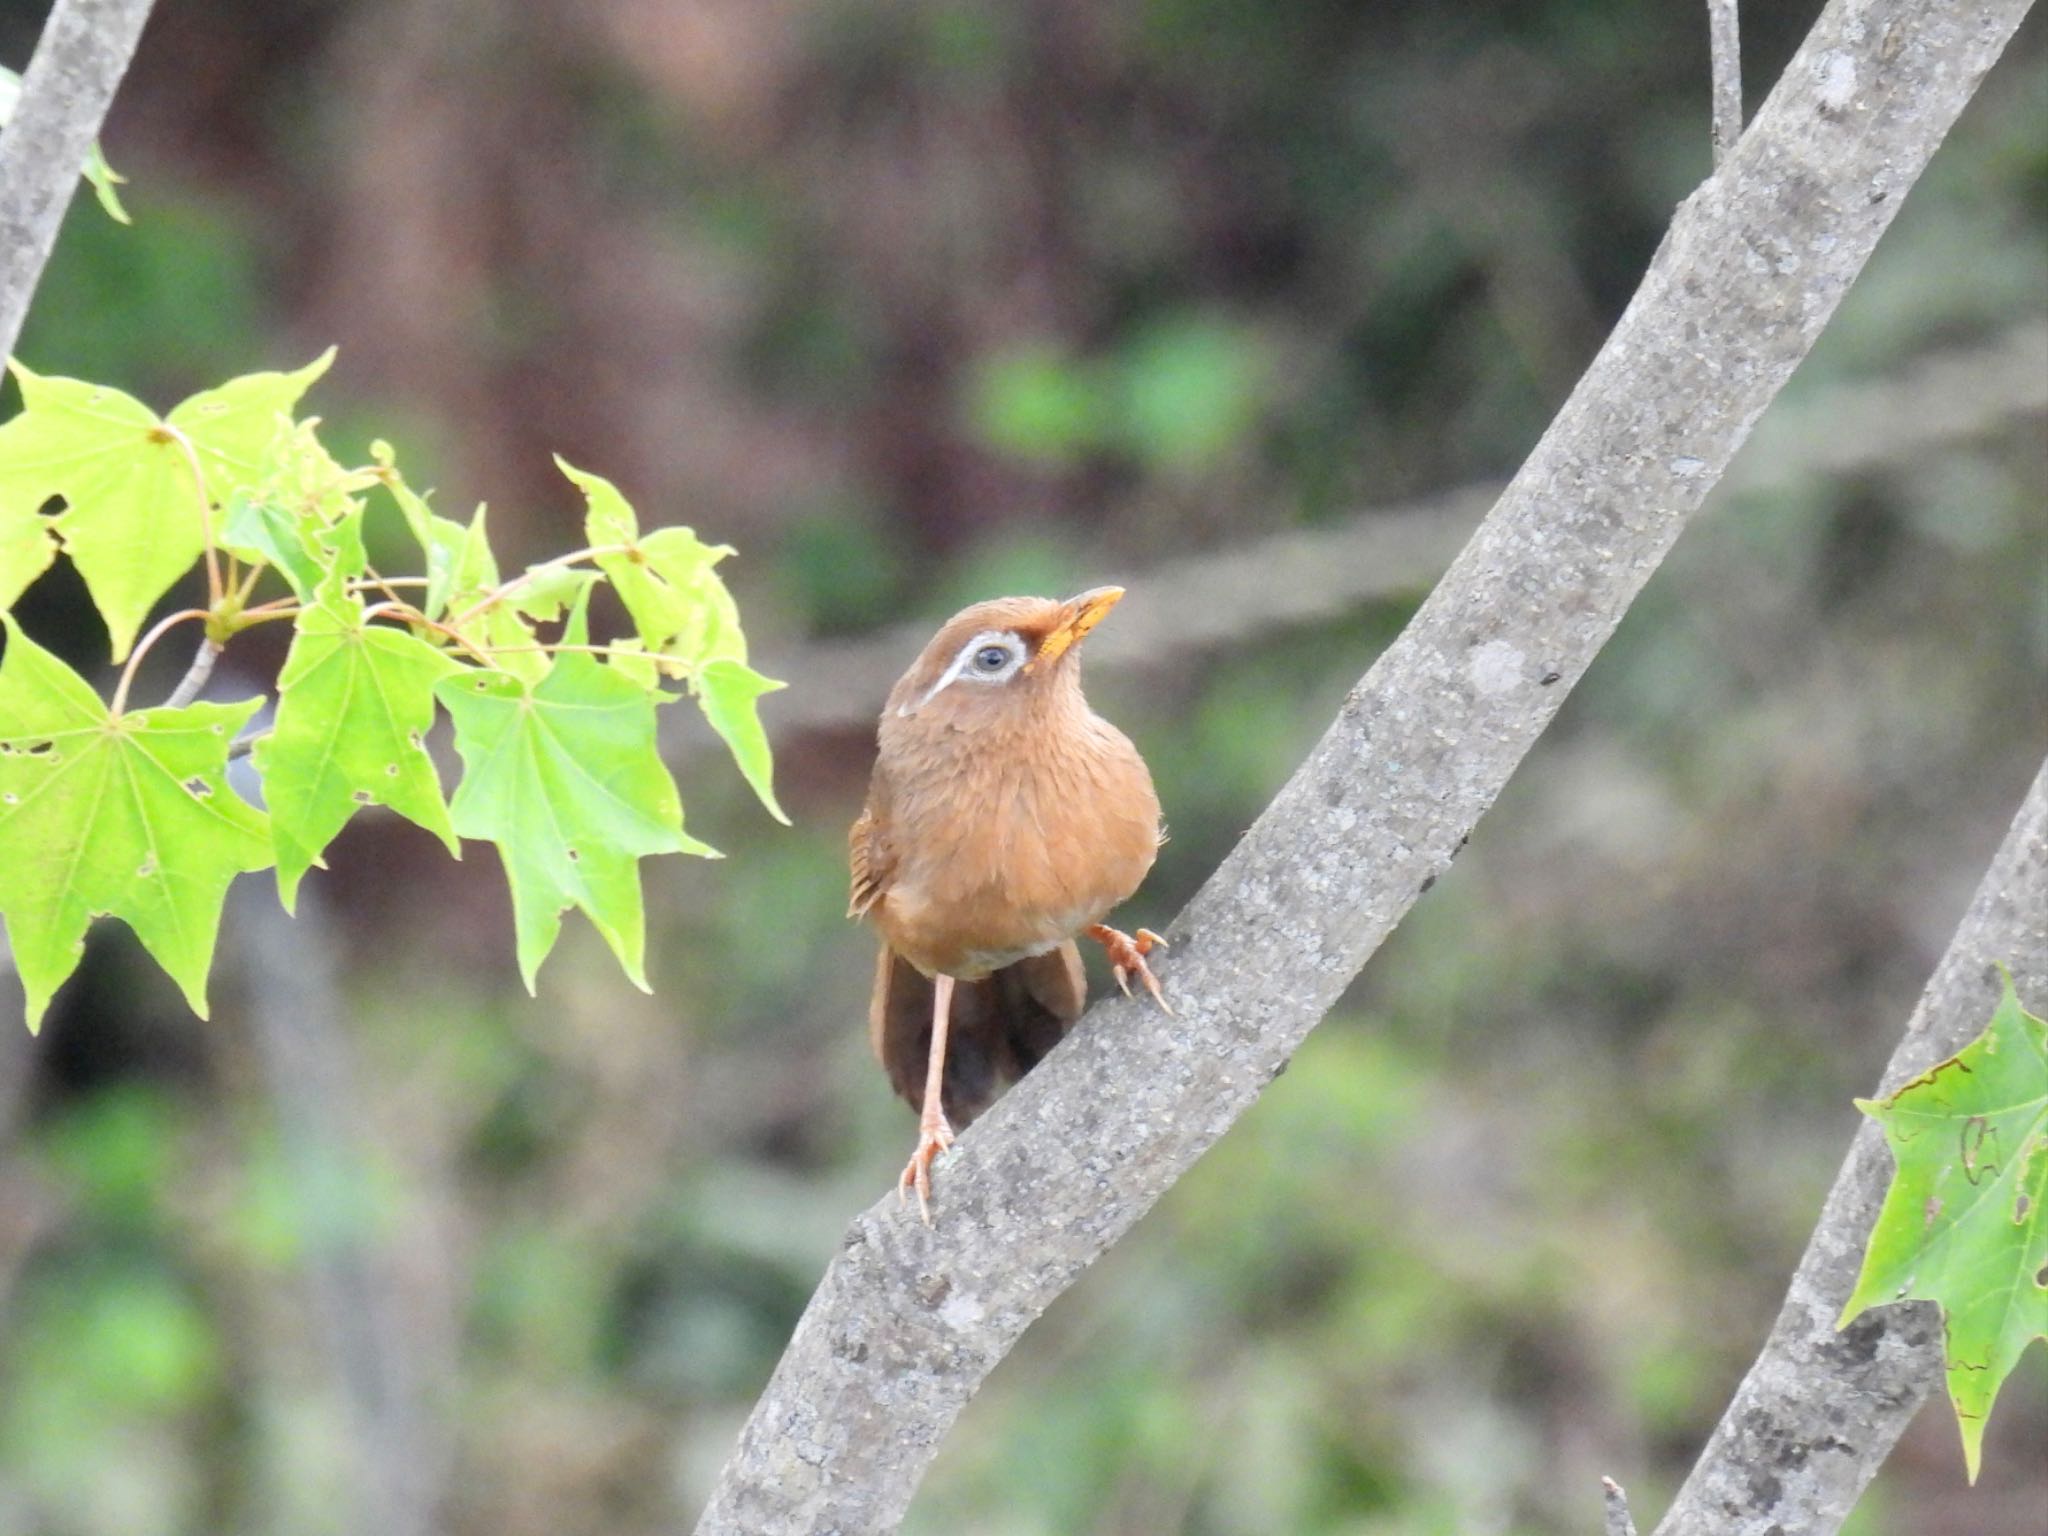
(1127,954)
(933,1137)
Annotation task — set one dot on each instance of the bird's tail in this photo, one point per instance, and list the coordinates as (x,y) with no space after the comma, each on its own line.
(1001,1025)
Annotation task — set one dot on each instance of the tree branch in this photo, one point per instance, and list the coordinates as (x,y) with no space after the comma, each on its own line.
(909,1320)
(1785,1456)
(1724,42)
(195,675)
(65,93)
(1614,1499)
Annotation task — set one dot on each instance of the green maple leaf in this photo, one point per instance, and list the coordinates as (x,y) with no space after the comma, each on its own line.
(134,520)
(460,565)
(688,624)
(726,692)
(562,774)
(667,580)
(302,517)
(355,701)
(129,817)
(26,546)
(1965,1222)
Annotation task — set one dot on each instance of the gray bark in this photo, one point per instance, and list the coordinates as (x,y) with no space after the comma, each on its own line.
(1724,42)
(1820,1410)
(909,1320)
(65,93)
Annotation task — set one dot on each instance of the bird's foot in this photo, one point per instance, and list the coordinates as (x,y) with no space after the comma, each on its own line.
(1127,954)
(934,1136)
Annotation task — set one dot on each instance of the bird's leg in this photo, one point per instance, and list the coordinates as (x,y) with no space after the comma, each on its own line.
(1127,958)
(934,1135)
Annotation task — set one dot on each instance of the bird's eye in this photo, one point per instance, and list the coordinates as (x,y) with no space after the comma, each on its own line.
(991,658)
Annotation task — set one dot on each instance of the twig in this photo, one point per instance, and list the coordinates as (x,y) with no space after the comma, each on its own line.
(1614,1497)
(1785,1455)
(79,60)
(195,675)
(1724,41)
(242,746)
(909,1320)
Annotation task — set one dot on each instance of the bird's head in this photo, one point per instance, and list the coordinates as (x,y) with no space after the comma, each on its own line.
(1000,654)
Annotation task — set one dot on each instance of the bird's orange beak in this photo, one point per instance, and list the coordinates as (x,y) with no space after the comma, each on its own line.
(1077,617)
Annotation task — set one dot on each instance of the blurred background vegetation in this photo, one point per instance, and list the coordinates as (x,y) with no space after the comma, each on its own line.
(921,302)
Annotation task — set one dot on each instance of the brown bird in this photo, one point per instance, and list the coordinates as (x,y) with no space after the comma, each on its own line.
(1004,818)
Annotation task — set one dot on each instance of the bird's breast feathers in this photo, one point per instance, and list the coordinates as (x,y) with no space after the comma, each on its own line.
(1018,854)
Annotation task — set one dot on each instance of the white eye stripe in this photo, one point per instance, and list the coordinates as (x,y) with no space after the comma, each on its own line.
(968,664)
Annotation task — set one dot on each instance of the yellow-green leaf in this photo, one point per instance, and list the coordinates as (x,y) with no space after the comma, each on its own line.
(667,580)
(134,517)
(728,692)
(130,816)
(355,701)
(564,777)
(26,546)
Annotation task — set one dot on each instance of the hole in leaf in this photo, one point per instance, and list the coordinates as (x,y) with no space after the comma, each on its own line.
(10,798)
(198,788)
(414,738)
(147,868)
(40,748)
(574,855)
(2021,1206)
(361,797)
(391,770)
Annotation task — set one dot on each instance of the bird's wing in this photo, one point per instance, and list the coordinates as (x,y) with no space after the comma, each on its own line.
(873,864)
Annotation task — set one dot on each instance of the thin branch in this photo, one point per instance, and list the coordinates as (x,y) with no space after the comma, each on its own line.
(1724,41)
(195,675)
(909,1320)
(79,60)
(1614,1497)
(242,746)
(215,586)
(1785,1456)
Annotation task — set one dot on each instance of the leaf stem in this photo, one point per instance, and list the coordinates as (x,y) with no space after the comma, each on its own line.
(163,626)
(595,650)
(214,586)
(412,615)
(249,582)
